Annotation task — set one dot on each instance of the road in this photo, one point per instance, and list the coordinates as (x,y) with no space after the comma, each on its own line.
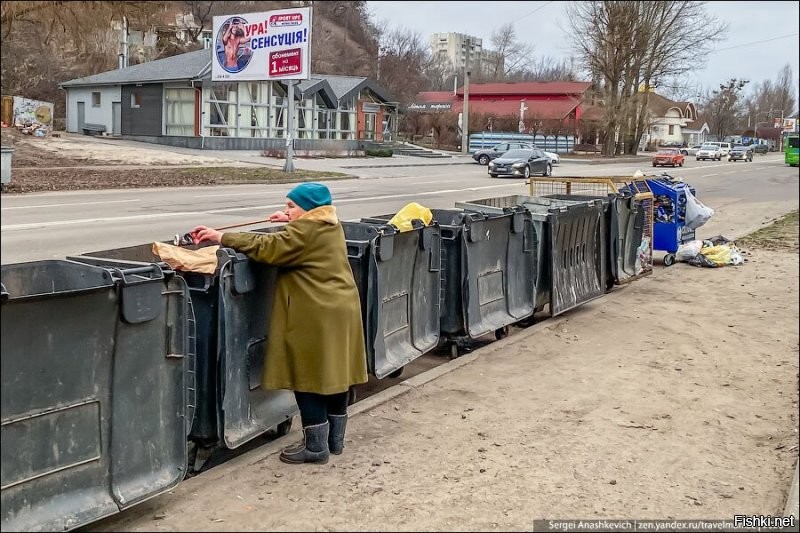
(54,225)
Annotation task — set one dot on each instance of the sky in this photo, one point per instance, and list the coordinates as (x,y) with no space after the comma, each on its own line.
(761,39)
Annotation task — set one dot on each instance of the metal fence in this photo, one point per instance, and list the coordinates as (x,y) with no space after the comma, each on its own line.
(552,143)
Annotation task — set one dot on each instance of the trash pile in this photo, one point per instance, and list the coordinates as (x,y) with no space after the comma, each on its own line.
(713,253)
(32,117)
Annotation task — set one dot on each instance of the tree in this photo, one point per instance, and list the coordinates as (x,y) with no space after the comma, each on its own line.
(630,48)
(724,107)
(202,14)
(512,55)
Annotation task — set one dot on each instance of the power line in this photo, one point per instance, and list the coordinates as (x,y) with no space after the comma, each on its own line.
(755,42)
(532,12)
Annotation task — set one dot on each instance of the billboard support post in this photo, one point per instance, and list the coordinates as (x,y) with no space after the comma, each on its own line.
(289,164)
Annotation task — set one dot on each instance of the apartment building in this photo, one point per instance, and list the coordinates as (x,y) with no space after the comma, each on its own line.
(460,49)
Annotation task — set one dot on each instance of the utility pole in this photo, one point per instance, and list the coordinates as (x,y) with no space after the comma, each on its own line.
(465,120)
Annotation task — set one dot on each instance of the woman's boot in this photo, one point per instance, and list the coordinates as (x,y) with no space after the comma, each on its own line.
(338,423)
(314,448)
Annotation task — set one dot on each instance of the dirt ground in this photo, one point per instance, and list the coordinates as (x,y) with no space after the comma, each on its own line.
(69,162)
(675,396)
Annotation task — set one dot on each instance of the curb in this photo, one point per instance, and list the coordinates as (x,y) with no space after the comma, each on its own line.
(356,167)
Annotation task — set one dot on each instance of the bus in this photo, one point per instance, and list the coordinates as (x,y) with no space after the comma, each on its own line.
(791,154)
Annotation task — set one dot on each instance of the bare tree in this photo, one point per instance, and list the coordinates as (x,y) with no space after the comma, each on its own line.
(202,14)
(512,55)
(632,47)
(725,108)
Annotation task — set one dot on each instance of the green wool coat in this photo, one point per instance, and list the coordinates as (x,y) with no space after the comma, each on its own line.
(316,339)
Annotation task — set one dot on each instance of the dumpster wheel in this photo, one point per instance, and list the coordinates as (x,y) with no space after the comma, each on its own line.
(669,260)
(501,333)
(397,373)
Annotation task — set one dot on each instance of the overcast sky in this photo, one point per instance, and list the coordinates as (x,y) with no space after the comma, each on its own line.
(743,53)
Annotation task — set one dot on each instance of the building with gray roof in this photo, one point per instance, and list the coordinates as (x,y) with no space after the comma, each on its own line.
(173,101)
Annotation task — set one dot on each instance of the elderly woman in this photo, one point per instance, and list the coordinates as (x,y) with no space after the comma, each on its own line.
(316,342)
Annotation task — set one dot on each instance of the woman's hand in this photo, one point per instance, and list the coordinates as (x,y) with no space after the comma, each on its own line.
(279,216)
(206,234)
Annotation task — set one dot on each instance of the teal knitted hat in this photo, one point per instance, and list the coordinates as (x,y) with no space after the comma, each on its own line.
(310,195)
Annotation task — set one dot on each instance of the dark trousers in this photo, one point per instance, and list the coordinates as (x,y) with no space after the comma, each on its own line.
(315,408)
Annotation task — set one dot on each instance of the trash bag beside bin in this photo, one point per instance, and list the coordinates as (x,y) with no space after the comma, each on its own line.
(487,270)
(98,390)
(232,314)
(571,252)
(398,276)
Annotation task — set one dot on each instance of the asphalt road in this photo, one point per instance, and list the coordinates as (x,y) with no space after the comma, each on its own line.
(54,225)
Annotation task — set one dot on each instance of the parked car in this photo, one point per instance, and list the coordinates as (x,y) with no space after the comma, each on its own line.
(740,153)
(521,163)
(760,148)
(691,150)
(555,159)
(724,147)
(671,144)
(709,151)
(484,156)
(668,156)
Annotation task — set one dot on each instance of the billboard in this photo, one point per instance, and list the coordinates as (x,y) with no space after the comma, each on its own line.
(272,45)
(789,125)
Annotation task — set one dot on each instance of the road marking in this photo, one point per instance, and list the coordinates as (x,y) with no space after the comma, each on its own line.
(64,205)
(150,216)
(709,175)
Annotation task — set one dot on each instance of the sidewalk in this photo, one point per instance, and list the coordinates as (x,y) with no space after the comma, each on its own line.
(672,397)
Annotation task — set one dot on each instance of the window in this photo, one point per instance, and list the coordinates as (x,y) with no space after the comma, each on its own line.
(180,112)
(96,99)
(136,99)
(672,130)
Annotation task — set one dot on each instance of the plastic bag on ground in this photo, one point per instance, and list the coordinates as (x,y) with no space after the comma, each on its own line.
(413,211)
(688,250)
(697,213)
(202,260)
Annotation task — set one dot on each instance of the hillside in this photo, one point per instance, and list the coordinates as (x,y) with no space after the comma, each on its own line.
(76,39)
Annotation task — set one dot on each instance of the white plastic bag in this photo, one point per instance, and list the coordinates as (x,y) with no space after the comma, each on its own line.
(688,250)
(697,213)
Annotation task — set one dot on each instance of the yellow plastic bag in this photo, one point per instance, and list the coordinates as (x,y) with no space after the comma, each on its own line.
(413,211)
(202,260)
(721,255)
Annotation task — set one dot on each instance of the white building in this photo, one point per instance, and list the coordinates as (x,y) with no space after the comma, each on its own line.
(460,49)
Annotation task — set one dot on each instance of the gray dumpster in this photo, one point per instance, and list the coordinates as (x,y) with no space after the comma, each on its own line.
(398,276)
(97,392)
(487,270)
(5,166)
(232,307)
(625,225)
(571,255)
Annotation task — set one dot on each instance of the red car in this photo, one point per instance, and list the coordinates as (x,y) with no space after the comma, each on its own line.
(668,156)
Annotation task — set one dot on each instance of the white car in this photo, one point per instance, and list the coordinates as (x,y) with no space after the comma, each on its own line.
(554,158)
(709,151)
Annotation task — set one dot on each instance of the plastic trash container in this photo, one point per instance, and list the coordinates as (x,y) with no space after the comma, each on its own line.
(669,216)
(398,276)
(97,393)
(232,309)
(5,166)
(571,252)
(487,271)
